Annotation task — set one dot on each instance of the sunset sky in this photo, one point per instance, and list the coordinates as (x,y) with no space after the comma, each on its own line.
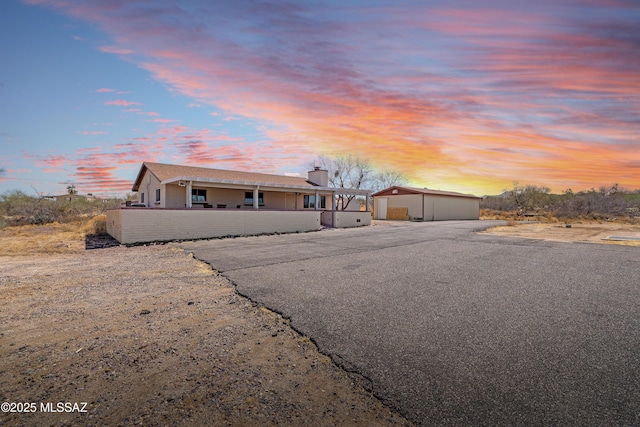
(460,95)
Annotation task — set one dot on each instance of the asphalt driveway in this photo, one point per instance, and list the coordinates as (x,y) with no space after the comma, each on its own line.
(457,328)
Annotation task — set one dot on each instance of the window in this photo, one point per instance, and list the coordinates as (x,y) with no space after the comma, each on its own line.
(248,198)
(158,195)
(310,202)
(141,197)
(198,195)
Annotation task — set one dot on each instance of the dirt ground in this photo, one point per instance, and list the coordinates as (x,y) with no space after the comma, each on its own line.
(605,233)
(150,336)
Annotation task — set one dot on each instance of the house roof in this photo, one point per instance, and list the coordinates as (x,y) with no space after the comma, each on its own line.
(168,174)
(411,190)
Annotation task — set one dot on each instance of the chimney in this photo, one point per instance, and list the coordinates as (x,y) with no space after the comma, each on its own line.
(319,177)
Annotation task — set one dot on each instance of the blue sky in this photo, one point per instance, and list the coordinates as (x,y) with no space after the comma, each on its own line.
(459,95)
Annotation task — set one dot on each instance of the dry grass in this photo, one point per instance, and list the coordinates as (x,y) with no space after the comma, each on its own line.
(54,238)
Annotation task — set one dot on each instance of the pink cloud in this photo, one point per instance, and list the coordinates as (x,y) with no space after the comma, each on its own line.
(438,92)
(50,160)
(122,103)
(116,50)
(99,170)
(104,90)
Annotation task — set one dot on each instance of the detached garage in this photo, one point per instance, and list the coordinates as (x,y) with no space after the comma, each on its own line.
(422,204)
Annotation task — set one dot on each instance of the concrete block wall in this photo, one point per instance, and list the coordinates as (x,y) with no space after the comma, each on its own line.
(346,219)
(131,225)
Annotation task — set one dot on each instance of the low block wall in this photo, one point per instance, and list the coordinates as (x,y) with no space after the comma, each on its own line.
(346,219)
(130,225)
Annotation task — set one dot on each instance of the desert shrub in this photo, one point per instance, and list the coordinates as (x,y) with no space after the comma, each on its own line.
(523,198)
(498,203)
(18,208)
(594,204)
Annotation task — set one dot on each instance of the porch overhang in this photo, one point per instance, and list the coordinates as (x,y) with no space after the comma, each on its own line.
(265,186)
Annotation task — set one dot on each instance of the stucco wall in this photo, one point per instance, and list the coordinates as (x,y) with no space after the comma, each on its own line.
(175,197)
(148,187)
(133,225)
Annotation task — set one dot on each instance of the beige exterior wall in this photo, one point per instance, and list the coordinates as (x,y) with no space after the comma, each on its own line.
(173,196)
(436,208)
(147,225)
(300,201)
(413,203)
(148,187)
(376,208)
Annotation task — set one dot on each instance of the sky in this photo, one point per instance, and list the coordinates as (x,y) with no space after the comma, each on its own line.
(459,95)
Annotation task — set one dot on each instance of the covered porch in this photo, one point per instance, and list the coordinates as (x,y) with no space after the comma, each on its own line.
(207,193)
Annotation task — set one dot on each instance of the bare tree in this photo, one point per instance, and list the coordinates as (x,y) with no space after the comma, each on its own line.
(386,179)
(355,172)
(345,172)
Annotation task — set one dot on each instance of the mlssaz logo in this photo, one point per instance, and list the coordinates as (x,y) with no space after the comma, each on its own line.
(63,407)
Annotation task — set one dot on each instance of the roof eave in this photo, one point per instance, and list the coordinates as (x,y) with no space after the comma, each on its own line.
(138,181)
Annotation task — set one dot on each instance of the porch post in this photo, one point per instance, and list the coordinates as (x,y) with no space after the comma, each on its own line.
(367,205)
(317,201)
(255,197)
(333,209)
(188,196)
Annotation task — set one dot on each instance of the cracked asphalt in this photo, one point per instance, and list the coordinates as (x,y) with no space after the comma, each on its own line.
(457,328)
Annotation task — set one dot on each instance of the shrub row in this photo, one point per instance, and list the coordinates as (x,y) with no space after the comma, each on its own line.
(18,208)
(604,202)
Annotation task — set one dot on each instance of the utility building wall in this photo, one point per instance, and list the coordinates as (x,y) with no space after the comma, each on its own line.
(412,202)
(427,207)
(439,208)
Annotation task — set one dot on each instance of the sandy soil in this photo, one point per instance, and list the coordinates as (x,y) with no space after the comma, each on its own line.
(150,336)
(578,232)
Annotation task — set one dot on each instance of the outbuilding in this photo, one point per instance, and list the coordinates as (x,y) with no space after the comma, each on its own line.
(423,204)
